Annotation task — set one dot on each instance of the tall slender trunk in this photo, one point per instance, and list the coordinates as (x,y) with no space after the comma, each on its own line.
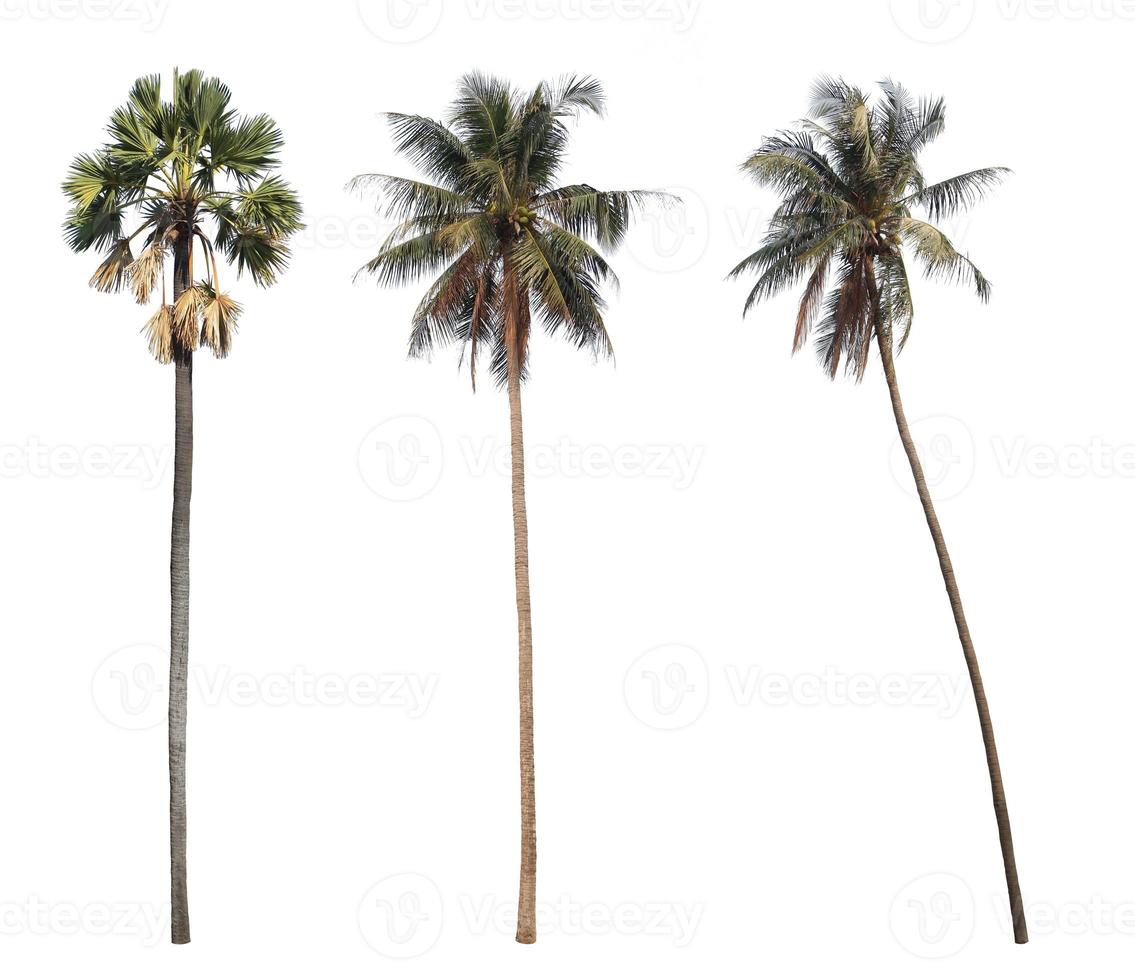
(179,614)
(516,329)
(1000,808)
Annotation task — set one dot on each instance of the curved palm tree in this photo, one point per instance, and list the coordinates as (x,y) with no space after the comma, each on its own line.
(850,181)
(192,178)
(507,243)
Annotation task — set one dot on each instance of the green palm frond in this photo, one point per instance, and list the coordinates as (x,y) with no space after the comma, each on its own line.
(270,206)
(576,252)
(483,114)
(403,262)
(939,258)
(246,149)
(430,146)
(895,296)
(563,290)
(401,197)
(539,139)
(261,255)
(604,215)
(947,197)
(573,94)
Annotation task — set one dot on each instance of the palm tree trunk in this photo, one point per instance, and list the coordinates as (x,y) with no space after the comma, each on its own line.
(526,905)
(516,325)
(1000,808)
(179,617)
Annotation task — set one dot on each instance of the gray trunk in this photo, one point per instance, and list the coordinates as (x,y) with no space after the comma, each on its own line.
(179,619)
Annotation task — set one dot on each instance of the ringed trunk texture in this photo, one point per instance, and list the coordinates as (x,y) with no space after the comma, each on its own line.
(1000,808)
(526,905)
(516,337)
(179,621)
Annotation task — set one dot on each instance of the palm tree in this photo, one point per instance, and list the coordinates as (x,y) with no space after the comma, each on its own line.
(849,180)
(189,174)
(507,243)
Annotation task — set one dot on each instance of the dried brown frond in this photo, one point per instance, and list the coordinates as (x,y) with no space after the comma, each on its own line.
(159,333)
(187,319)
(145,271)
(218,323)
(110,274)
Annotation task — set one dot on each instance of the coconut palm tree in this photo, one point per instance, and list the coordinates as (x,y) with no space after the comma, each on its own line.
(180,181)
(507,243)
(850,183)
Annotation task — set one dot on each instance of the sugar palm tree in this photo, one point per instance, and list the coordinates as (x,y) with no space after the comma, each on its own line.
(507,243)
(850,182)
(180,179)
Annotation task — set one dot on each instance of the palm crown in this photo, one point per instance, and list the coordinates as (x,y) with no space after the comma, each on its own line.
(849,180)
(188,171)
(505,241)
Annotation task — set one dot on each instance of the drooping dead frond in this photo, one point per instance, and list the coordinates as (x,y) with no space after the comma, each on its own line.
(159,333)
(811,301)
(111,273)
(218,322)
(187,319)
(145,272)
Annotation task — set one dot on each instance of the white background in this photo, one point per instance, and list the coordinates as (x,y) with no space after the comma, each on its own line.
(708,506)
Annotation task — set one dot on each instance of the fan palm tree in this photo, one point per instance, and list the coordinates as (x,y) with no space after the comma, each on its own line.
(178,180)
(850,182)
(507,243)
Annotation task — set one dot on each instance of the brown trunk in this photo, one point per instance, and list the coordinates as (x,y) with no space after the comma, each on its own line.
(179,613)
(516,335)
(1000,808)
